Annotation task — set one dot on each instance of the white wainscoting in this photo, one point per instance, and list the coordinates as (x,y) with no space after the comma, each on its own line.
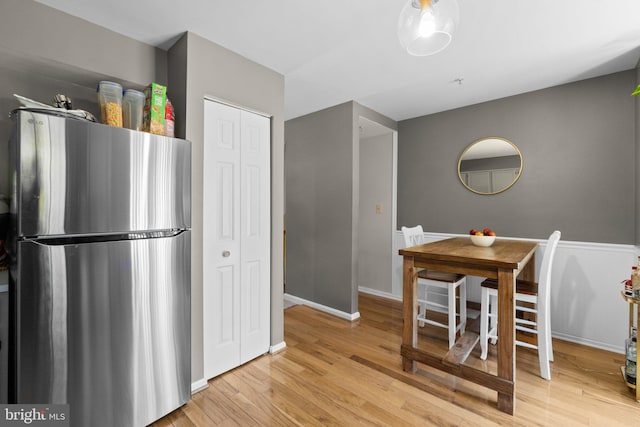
(586,306)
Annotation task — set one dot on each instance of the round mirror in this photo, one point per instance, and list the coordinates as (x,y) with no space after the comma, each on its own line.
(490,165)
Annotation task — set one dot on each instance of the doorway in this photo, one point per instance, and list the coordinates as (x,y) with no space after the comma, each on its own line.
(377,207)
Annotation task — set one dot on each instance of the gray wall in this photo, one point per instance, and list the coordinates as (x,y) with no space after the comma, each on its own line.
(358,111)
(637,170)
(578,146)
(319,159)
(45,52)
(322,204)
(201,68)
(374,231)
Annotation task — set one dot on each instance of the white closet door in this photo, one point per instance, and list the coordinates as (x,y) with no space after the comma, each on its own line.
(221,238)
(255,233)
(236,237)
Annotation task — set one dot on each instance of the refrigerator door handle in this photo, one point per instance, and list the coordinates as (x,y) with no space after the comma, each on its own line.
(91,238)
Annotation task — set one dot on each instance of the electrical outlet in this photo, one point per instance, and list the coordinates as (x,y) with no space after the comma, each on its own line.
(378,208)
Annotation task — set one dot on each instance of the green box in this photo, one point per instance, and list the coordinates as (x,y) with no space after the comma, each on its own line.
(155,101)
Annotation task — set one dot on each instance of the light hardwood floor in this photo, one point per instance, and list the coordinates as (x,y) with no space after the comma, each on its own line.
(336,372)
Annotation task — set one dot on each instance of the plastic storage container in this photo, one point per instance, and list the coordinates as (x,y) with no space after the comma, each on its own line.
(132,106)
(110,100)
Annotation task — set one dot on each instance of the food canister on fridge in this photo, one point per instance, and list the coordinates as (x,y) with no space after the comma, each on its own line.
(154,108)
(169,119)
(110,100)
(132,106)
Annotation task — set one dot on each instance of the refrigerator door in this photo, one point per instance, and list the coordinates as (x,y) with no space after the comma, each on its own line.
(78,177)
(105,327)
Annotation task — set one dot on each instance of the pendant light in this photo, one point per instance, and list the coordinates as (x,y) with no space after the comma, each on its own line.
(426,27)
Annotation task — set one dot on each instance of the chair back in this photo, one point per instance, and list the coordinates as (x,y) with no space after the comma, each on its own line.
(413,236)
(544,281)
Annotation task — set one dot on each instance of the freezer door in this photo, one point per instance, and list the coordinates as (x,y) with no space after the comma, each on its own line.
(78,177)
(105,328)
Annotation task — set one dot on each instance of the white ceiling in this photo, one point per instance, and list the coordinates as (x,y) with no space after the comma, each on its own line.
(333,51)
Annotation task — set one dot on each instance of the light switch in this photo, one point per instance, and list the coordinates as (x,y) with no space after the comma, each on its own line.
(378,208)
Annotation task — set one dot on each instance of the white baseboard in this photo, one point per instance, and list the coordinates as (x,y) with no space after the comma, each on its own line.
(590,343)
(378,293)
(323,308)
(199,385)
(278,347)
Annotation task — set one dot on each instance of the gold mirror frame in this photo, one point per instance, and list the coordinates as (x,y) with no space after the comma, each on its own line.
(491,175)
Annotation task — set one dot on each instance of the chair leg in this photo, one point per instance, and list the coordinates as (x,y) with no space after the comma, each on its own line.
(451,293)
(463,306)
(549,340)
(423,293)
(543,354)
(484,323)
(422,308)
(493,319)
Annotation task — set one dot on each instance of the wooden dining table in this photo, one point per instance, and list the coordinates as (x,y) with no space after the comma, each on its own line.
(505,260)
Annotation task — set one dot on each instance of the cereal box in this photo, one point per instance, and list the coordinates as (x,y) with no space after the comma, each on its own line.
(155,100)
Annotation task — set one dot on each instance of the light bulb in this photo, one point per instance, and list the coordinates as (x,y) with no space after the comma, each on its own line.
(427,26)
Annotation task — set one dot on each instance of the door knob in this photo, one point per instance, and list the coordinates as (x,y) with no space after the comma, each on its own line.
(226,254)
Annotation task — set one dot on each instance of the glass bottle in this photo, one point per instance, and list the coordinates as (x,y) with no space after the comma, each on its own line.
(628,284)
(631,357)
(635,281)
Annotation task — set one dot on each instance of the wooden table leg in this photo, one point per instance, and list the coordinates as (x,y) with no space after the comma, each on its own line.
(409,310)
(506,338)
(529,270)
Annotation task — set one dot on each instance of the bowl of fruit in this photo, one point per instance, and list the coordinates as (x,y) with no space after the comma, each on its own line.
(484,238)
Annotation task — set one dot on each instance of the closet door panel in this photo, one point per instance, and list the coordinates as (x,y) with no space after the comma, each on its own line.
(256,235)
(237,236)
(222,275)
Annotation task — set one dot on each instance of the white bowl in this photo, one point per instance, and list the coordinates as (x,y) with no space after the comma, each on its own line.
(485,241)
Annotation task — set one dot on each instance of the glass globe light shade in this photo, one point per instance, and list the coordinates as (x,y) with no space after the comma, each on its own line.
(426,27)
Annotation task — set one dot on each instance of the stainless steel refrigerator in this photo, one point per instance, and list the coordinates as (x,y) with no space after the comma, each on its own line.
(100,270)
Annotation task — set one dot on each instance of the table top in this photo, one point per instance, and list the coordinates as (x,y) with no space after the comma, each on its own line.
(505,254)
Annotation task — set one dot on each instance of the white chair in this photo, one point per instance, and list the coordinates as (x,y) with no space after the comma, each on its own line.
(428,281)
(536,294)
